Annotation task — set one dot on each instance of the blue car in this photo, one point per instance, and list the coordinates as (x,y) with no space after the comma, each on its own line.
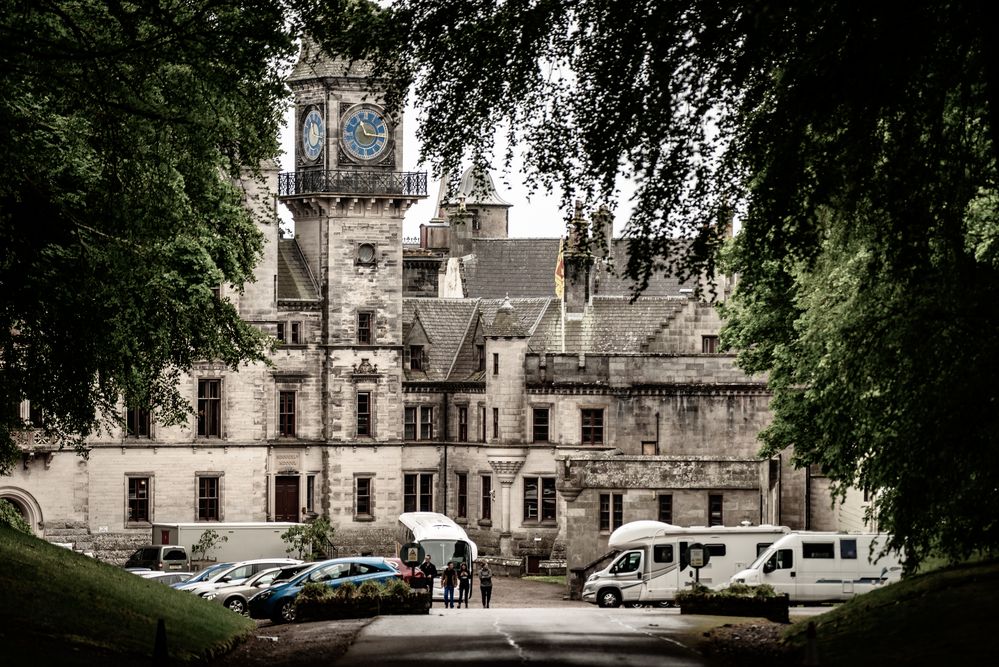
(278,603)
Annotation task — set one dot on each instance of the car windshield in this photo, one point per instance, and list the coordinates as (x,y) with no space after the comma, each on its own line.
(762,559)
(207,573)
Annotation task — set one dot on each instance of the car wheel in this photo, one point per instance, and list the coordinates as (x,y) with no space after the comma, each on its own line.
(635,605)
(665,604)
(237,605)
(285,612)
(609,597)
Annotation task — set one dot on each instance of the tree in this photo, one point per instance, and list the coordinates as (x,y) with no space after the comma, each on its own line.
(129,130)
(856,147)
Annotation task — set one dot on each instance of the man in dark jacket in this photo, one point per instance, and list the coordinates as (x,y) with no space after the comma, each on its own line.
(430,571)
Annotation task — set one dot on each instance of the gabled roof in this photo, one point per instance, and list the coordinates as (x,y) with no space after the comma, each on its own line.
(295,282)
(313,63)
(445,322)
(525,268)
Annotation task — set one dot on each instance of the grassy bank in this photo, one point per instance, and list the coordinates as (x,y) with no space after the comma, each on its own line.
(58,607)
(932,618)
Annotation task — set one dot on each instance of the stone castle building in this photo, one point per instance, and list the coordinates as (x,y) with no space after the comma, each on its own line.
(445,377)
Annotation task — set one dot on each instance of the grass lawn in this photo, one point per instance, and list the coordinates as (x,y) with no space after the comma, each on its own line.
(560,580)
(58,607)
(932,618)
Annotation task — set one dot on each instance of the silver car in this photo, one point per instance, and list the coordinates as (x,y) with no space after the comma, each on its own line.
(234,596)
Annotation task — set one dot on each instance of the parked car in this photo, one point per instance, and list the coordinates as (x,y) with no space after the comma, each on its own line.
(278,602)
(404,570)
(160,557)
(205,574)
(236,573)
(234,596)
(168,578)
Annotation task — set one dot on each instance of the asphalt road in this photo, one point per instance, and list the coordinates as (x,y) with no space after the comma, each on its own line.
(549,636)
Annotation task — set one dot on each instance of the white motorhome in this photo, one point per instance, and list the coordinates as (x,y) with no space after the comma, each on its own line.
(824,567)
(653,564)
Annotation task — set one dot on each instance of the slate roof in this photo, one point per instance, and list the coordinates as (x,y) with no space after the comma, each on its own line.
(525,268)
(295,283)
(445,322)
(314,63)
(609,325)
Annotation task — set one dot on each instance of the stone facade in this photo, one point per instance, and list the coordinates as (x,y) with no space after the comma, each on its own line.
(517,417)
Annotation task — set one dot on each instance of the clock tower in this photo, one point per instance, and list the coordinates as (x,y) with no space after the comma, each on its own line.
(348,195)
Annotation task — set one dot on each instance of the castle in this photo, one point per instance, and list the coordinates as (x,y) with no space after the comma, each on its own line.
(447,377)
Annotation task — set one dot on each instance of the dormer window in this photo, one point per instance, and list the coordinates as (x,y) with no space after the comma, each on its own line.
(416,357)
(480,357)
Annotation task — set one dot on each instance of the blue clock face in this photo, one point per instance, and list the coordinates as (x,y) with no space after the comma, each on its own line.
(313,135)
(365,134)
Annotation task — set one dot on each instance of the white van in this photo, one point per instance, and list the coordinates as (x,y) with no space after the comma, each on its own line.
(824,567)
(653,563)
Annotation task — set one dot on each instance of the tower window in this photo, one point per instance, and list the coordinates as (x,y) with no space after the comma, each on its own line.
(364,328)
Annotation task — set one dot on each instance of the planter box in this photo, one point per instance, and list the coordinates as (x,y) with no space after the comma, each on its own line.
(774,609)
(327,610)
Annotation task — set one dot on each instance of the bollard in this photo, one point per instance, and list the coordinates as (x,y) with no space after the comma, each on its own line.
(160,647)
(811,646)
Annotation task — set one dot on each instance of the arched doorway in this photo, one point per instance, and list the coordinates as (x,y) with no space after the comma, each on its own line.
(26,504)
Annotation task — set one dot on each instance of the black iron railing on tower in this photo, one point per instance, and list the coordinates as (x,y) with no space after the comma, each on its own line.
(349,182)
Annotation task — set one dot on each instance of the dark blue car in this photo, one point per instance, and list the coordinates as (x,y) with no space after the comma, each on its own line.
(278,602)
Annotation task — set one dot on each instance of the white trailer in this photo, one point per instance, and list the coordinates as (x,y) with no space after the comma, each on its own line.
(653,564)
(824,567)
(244,540)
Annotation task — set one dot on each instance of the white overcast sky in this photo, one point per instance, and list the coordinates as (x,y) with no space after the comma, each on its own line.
(540,217)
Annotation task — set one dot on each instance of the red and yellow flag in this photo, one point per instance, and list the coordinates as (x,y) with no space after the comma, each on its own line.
(560,271)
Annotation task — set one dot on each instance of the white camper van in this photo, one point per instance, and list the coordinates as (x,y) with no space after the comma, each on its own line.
(653,563)
(824,567)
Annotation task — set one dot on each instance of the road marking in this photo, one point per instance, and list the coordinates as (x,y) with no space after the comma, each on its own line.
(649,634)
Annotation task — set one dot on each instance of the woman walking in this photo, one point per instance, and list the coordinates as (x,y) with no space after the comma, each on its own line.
(486,583)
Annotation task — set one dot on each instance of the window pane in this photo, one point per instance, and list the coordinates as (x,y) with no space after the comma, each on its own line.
(363,495)
(548,499)
(715,517)
(462,479)
(363,413)
(210,408)
(286,413)
(540,425)
(530,498)
(409,426)
(487,497)
(138,499)
(426,423)
(666,508)
(208,498)
(593,426)
(409,493)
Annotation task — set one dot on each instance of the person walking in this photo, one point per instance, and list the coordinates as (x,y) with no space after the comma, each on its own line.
(429,571)
(464,585)
(486,583)
(449,579)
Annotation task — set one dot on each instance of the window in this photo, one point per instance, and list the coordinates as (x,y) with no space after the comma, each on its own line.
(296,333)
(662,553)
(363,413)
(426,422)
(409,424)
(280,331)
(138,422)
(818,550)
(630,562)
(482,423)
(709,344)
(486,503)
(715,517)
(36,416)
(593,426)
(310,493)
(418,492)
(362,496)
(209,490)
(366,253)
(848,549)
(666,508)
(364,328)
(217,292)
(209,408)
(611,511)
(138,499)
(416,357)
(539,499)
(286,414)
(462,489)
(495,363)
(716,550)
(540,425)
(480,357)
(495,423)
(462,423)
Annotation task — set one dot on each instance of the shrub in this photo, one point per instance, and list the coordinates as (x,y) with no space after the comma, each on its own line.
(208,541)
(397,590)
(369,590)
(702,592)
(10,517)
(344,593)
(315,590)
(310,541)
